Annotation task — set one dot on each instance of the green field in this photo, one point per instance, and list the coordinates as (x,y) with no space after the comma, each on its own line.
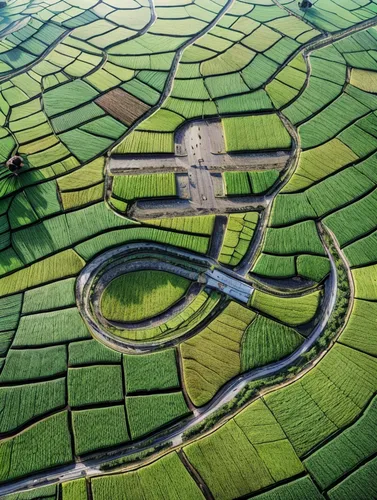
(141,295)
(148,413)
(255,133)
(266,341)
(151,372)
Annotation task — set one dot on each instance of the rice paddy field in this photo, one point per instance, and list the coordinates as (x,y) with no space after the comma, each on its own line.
(188,252)
(125,300)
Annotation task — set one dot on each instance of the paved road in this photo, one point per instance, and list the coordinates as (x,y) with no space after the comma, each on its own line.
(229,285)
(210,271)
(91,467)
(98,273)
(201,150)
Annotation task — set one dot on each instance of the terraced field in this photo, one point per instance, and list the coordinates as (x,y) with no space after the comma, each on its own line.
(188,255)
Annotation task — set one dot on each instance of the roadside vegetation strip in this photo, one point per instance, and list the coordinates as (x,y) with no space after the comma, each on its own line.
(140,295)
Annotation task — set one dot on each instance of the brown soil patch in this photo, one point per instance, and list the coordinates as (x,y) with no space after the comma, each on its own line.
(122,106)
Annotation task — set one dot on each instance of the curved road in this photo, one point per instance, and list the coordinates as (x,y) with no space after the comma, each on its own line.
(91,467)
(217,277)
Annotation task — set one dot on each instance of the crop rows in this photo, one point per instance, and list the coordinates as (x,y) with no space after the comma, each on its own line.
(212,357)
(125,298)
(238,236)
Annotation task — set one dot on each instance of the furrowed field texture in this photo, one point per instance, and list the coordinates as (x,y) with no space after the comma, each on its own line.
(188,249)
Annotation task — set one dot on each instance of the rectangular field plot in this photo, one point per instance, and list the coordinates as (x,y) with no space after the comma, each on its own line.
(94,384)
(151,372)
(34,364)
(99,428)
(252,133)
(130,187)
(91,352)
(164,479)
(148,413)
(122,106)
